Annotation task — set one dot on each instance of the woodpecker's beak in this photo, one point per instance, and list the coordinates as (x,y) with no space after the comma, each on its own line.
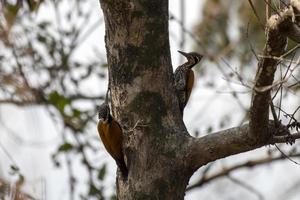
(183,53)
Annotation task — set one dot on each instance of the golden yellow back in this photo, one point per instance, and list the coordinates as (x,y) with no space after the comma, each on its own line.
(190,84)
(111,136)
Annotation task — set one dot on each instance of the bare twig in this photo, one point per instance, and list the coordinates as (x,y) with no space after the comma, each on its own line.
(294,84)
(284,138)
(284,77)
(248,164)
(269,7)
(286,156)
(12,160)
(256,15)
(182,15)
(246,186)
(249,42)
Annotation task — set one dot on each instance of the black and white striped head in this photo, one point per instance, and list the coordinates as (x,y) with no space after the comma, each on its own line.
(103,112)
(192,57)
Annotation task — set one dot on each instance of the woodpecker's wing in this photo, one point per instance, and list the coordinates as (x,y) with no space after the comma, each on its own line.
(103,130)
(180,79)
(190,84)
(115,138)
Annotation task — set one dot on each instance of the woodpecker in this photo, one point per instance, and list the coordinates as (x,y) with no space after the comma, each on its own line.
(111,135)
(184,78)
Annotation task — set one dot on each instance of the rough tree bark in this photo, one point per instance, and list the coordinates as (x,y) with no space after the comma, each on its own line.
(161,156)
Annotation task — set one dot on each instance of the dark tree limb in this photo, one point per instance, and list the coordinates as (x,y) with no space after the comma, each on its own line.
(260,130)
(230,142)
(259,110)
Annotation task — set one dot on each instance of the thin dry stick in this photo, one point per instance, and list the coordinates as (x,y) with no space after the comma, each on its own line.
(8,155)
(281,58)
(287,114)
(281,3)
(286,156)
(256,15)
(234,93)
(277,123)
(248,164)
(293,85)
(246,186)
(240,78)
(294,114)
(249,42)
(270,7)
(286,72)
(281,89)
(268,10)
(182,15)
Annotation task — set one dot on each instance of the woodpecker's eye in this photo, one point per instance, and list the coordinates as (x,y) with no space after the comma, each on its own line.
(196,59)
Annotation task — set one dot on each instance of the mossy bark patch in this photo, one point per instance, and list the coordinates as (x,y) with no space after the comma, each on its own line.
(149,105)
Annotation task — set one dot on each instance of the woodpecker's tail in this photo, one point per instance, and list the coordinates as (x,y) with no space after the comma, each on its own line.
(123,168)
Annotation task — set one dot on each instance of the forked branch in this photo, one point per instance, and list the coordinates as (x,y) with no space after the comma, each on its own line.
(260,131)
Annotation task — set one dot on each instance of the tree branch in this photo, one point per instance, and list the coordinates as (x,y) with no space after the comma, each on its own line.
(232,141)
(259,111)
(260,131)
(246,186)
(38,101)
(279,27)
(19,102)
(226,171)
(284,138)
(221,144)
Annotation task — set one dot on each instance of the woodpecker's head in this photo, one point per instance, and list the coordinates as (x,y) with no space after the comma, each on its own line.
(192,57)
(103,112)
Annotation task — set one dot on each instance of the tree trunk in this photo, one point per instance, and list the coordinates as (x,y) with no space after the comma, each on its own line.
(144,101)
(160,154)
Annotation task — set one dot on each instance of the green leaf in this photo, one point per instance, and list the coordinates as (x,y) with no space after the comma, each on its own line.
(102,172)
(65,147)
(33,5)
(59,101)
(41,38)
(93,190)
(113,197)
(209,129)
(76,113)
(104,65)
(11,13)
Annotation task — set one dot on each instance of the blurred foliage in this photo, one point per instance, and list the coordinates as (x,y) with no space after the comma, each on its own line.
(39,65)
(12,193)
(233,31)
(218,35)
(231,28)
